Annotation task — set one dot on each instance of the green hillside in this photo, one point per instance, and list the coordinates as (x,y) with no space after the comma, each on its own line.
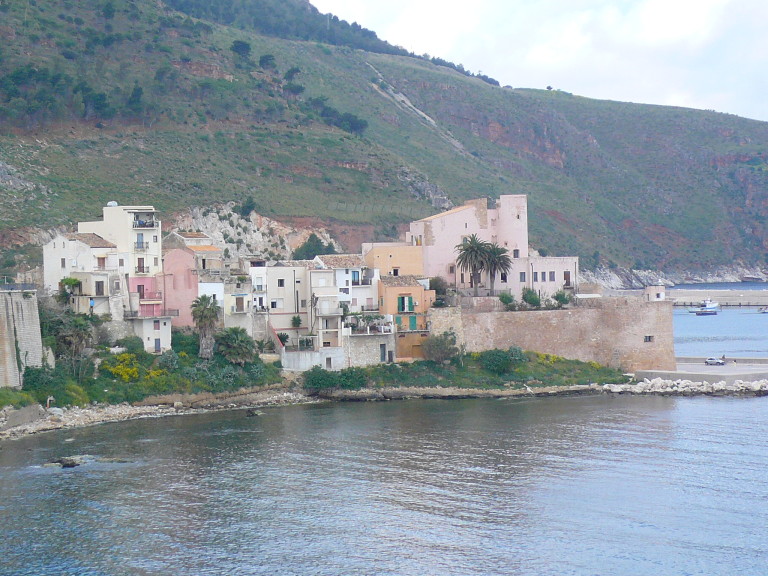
(131,100)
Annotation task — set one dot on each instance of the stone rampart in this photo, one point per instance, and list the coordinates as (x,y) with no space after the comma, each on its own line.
(20,341)
(626,333)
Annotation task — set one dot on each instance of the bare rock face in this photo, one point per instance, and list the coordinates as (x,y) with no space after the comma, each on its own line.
(252,234)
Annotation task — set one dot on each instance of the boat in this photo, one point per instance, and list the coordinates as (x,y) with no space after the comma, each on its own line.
(763,310)
(706,308)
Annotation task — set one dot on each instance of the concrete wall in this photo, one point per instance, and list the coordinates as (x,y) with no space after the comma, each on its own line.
(625,333)
(19,326)
(329,358)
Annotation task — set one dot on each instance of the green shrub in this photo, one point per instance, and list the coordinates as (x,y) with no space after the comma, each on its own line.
(132,344)
(318,379)
(441,347)
(496,361)
(531,298)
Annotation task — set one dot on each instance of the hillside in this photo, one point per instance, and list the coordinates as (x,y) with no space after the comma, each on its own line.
(130,100)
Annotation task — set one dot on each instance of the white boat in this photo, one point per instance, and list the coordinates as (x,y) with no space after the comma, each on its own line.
(763,310)
(706,308)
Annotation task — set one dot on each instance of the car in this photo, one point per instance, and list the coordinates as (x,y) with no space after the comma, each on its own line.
(712,361)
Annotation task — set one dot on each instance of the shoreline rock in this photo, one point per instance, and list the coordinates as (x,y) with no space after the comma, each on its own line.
(250,399)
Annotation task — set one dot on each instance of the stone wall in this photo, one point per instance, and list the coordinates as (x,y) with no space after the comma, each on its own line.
(625,333)
(19,330)
(365,349)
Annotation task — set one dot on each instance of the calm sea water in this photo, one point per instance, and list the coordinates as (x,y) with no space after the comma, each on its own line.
(556,486)
(734,332)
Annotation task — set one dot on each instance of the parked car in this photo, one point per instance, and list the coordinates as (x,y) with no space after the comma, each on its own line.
(712,361)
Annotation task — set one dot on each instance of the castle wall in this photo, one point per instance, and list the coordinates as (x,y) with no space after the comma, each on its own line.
(626,333)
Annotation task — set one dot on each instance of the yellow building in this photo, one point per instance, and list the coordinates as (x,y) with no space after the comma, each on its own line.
(394,258)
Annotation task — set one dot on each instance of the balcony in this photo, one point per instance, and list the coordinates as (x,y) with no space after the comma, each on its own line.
(142,269)
(236,310)
(150,297)
(324,311)
(363,282)
(141,246)
(138,315)
(145,223)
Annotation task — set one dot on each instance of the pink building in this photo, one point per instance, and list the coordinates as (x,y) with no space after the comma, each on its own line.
(504,223)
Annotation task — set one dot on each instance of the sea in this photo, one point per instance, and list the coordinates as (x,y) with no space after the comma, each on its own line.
(593,485)
(737,332)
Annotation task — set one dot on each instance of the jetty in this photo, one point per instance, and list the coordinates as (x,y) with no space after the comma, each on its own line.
(734,297)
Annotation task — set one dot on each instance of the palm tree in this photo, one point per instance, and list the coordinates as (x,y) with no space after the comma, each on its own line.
(236,346)
(473,256)
(205,313)
(498,261)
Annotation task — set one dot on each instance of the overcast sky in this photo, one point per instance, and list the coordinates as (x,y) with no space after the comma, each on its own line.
(707,54)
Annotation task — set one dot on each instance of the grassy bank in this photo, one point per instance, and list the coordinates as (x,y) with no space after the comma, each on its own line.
(492,369)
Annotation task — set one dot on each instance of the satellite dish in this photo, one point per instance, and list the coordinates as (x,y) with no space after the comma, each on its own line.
(111,203)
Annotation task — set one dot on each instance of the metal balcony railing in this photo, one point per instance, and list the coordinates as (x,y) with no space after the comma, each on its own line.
(142,269)
(133,314)
(141,246)
(145,223)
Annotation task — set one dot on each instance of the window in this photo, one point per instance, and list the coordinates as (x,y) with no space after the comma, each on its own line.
(515,253)
(504,277)
(63,262)
(461,279)
(156,325)
(99,288)
(648,339)
(273,304)
(116,287)
(395,271)
(154,238)
(281,283)
(354,301)
(156,261)
(535,276)
(451,269)
(304,303)
(121,262)
(522,276)
(552,276)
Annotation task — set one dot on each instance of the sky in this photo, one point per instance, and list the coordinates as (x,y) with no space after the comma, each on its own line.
(705,54)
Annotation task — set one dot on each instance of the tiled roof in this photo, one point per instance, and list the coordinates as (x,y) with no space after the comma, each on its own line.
(90,239)
(204,248)
(405,280)
(337,261)
(310,264)
(192,235)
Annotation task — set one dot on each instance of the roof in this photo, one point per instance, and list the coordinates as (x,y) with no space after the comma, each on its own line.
(310,264)
(192,235)
(441,214)
(337,261)
(406,280)
(204,248)
(90,239)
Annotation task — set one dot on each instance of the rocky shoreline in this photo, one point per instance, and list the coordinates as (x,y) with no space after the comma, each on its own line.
(39,419)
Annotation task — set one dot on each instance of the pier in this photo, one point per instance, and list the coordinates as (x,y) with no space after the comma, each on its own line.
(726,298)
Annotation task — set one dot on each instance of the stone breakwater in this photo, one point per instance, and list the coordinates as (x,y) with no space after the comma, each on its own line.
(690,388)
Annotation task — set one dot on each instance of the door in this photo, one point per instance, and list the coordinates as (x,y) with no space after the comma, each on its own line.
(383,352)
(157,345)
